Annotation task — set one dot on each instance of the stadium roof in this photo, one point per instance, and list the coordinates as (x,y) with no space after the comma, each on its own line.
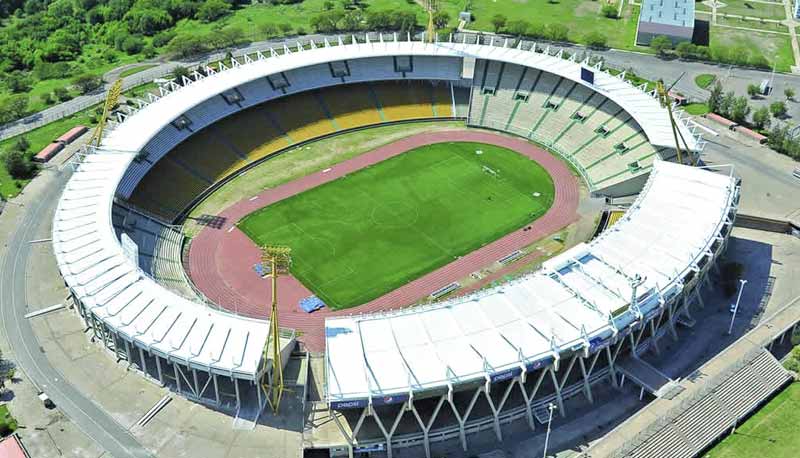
(110,284)
(141,127)
(578,300)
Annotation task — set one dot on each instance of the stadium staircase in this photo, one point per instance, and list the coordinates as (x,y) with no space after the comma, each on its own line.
(211,155)
(587,129)
(715,411)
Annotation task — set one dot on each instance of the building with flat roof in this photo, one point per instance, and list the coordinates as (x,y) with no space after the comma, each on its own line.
(671,18)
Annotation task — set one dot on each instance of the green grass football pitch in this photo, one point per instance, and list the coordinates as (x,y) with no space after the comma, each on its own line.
(769,433)
(370,232)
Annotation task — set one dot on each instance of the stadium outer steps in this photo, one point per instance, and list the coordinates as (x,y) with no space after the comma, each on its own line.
(216,152)
(594,134)
(733,385)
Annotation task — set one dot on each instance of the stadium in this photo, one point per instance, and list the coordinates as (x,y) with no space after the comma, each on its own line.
(413,356)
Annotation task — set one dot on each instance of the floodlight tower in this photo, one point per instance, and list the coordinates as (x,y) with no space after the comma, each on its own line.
(111,101)
(666,102)
(279,260)
(431,6)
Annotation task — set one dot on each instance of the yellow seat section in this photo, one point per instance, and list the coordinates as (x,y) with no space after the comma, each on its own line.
(351,106)
(167,189)
(252,133)
(207,155)
(300,116)
(404,100)
(443,100)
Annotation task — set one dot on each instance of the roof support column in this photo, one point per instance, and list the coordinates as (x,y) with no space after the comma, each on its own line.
(236,389)
(360,422)
(158,369)
(144,362)
(654,337)
(426,426)
(612,359)
(344,434)
(497,409)
(530,396)
(178,382)
(672,317)
(213,377)
(587,388)
(128,351)
(196,384)
(387,435)
(462,420)
(559,398)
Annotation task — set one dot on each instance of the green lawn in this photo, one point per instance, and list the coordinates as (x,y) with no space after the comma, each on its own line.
(773,47)
(39,138)
(365,234)
(770,433)
(758,9)
(703,81)
(580,16)
(697,109)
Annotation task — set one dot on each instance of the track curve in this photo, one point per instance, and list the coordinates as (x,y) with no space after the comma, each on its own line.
(220,258)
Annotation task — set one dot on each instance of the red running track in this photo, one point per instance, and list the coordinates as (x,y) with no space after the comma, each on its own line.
(221,259)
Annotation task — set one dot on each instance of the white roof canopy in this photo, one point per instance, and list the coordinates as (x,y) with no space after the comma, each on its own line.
(578,297)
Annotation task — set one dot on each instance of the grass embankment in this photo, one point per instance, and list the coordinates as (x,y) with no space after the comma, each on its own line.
(769,433)
(365,234)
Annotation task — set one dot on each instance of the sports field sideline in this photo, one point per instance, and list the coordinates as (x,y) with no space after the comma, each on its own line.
(436,203)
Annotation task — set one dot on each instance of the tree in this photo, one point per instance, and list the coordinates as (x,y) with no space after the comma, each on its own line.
(753,90)
(498,22)
(518,27)
(778,109)
(186,44)
(441,19)
(739,110)
(18,82)
(21,144)
(179,72)
(87,83)
(610,11)
(726,105)
(132,44)
(62,94)
(789,93)
(328,21)
(18,165)
(595,40)
(557,32)
(13,108)
(149,21)
(211,10)
(761,118)
(661,45)
(715,99)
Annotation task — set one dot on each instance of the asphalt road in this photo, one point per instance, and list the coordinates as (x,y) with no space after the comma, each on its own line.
(89,418)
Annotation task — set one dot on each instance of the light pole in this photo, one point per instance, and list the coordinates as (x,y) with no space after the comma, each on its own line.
(551,407)
(736,306)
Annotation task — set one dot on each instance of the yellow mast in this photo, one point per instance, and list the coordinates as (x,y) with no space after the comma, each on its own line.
(111,101)
(430,5)
(666,102)
(279,259)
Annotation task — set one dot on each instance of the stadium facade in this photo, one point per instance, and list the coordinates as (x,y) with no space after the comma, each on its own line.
(395,379)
